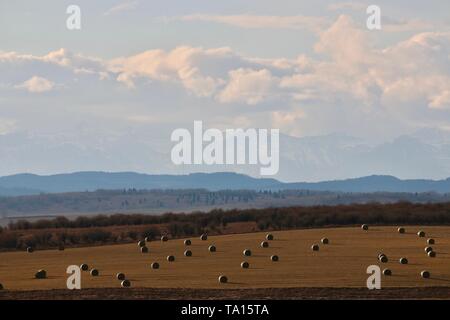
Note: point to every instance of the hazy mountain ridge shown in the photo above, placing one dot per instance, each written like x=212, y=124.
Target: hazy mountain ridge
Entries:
x=423, y=154
x=28, y=184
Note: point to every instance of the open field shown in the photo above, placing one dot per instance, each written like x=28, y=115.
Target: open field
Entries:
x=340, y=264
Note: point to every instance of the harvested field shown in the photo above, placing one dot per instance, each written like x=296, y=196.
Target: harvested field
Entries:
x=341, y=264
x=440, y=293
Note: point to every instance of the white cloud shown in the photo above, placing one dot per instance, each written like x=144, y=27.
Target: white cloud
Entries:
x=259, y=21
x=347, y=83
x=125, y=6
x=77, y=63
x=198, y=70
x=248, y=86
x=441, y=100
x=36, y=85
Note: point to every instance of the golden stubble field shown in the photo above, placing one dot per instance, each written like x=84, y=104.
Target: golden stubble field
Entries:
x=340, y=264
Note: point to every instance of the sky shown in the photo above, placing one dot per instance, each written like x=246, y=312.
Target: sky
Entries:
x=308, y=68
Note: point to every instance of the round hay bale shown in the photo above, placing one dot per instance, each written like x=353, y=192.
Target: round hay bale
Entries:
x=61, y=247
x=274, y=258
x=41, y=274
x=223, y=279
x=403, y=261
x=188, y=253
x=264, y=244
x=84, y=267
x=120, y=276
x=247, y=252
x=315, y=247
x=94, y=273
x=204, y=237
x=365, y=227
x=171, y=258
x=387, y=272
x=428, y=249
x=380, y=255
x=383, y=259
x=425, y=274
x=30, y=250
x=164, y=239
x=432, y=254
x=212, y=248
x=144, y=249
x=155, y=265
x=401, y=230
x=430, y=241
x=421, y=234
x=325, y=241
x=245, y=265
x=125, y=284
x=187, y=242
x=141, y=243
x=269, y=237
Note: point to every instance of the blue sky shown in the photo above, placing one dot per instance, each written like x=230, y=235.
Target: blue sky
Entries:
x=147, y=67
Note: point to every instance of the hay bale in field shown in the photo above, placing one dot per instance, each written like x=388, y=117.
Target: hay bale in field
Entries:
x=61, y=247
x=383, y=258
x=187, y=242
x=84, y=267
x=401, y=230
x=125, y=284
x=425, y=274
x=325, y=241
x=432, y=254
x=204, y=237
x=141, y=243
x=245, y=265
x=41, y=274
x=30, y=250
x=428, y=249
x=212, y=248
x=269, y=237
x=188, y=253
x=430, y=241
x=315, y=247
x=144, y=249
x=264, y=244
x=164, y=239
x=387, y=272
x=155, y=265
x=171, y=258
x=247, y=252
x=403, y=261
x=120, y=276
x=365, y=227
x=421, y=234
x=274, y=258
x=223, y=279
x=94, y=273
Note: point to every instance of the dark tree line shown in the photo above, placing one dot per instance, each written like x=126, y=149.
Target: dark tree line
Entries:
x=51, y=232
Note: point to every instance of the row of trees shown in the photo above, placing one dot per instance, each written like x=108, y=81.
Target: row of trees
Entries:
x=276, y=218
x=96, y=229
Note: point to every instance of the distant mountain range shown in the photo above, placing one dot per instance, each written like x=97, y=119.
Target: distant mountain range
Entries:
x=29, y=184
x=425, y=153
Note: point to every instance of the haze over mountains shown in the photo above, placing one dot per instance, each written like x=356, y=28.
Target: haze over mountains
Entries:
x=423, y=154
